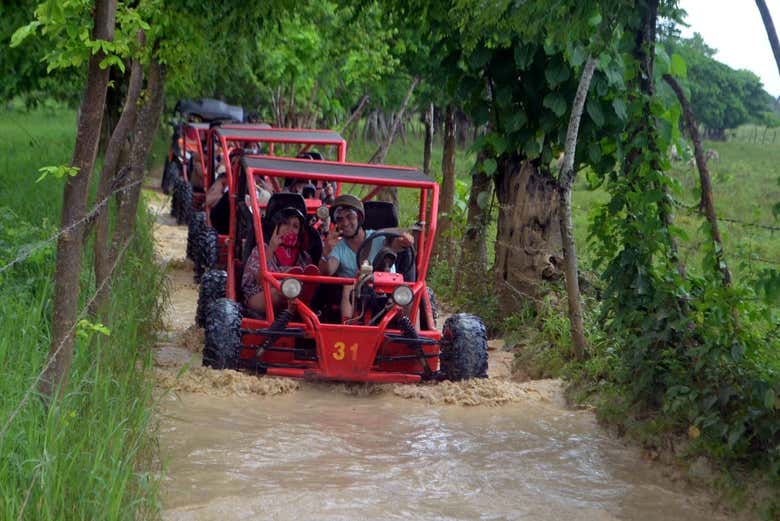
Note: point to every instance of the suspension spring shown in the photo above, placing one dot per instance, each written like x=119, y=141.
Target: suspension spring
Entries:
x=281, y=321
x=406, y=326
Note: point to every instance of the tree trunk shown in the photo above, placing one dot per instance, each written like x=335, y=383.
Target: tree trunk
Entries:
x=69, y=246
x=382, y=129
x=108, y=183
x=355, y=117
x=379, y=155
x=528, y=242
x=444, y=241
x=571, y=271
x=310, y=117
x=643, y=52
x=391, y=193
x=279, y=107
x=463, y=123
x=473, y=261
x=707, y=201
x=428, y=146
x=770, y=31
x=370, y=130
x=402, y=131
x=143, y=135
x=291, y=106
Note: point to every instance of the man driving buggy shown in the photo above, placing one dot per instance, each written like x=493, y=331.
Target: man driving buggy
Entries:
x=341, y=244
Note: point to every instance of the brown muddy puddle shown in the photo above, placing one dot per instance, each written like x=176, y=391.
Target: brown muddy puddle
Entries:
x=236, y=446
x=327, y=452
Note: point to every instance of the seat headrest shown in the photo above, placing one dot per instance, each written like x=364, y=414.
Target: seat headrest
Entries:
x=380, y=214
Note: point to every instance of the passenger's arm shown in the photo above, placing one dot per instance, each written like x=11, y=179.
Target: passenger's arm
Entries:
x=215, y=192
x=329, y=264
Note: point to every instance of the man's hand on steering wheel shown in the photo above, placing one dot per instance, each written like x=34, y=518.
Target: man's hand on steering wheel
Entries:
x=397, y=239
x=402, y=241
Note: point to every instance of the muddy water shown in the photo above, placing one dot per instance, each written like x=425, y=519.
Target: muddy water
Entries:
x=236, y=446
x=323, y=453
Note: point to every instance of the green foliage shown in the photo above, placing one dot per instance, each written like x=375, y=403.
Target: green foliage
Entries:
x=326, y=52
x=699, y=353
x=22, y=69
x=68, y=24
x=540, y=336
x=721, y=97
x=91, y=455
x=732, y=396
x=58, y=172
x=86, y=329
x=311, y=58
x=768, y=283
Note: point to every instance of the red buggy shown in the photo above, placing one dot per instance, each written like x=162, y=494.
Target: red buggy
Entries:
x=188, y=152
x=391, y=336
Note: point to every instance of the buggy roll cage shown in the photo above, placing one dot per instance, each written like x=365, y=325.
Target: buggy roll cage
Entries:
x=209, y=110
x=221, y=136
x=201, y=130
x=378, y=176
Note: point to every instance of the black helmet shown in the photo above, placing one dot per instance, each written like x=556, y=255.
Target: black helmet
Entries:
x=281, y=206
x=289, y=182
x=310, y=155
x=285, y=213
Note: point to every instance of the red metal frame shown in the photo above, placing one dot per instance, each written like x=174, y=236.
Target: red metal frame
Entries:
x=201, y=130
x=344, y=351
x=264, y=134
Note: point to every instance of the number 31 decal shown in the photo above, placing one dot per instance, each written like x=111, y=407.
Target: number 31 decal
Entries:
x=340, y=351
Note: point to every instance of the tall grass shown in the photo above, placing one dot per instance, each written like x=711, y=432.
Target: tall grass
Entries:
x=89, y=456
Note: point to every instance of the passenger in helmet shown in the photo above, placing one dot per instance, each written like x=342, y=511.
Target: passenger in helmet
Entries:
x=285, y=250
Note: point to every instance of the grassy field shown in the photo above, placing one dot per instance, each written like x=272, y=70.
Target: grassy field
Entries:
x=745, y=184
x=91, y=456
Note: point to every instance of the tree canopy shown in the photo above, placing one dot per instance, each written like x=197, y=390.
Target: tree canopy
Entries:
x=721, y=97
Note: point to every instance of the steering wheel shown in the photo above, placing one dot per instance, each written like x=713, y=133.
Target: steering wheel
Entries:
x=405, y=264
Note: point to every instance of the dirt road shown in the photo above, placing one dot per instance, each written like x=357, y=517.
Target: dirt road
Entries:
x=238, y=446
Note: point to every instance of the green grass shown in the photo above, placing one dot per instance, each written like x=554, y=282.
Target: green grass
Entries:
x=91, y=456
x=745, y=187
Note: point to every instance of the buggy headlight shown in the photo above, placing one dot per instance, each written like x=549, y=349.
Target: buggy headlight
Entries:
x=402, y=295
x=291, y=288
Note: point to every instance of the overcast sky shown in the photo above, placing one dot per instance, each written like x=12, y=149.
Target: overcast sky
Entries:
x=735, y=29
